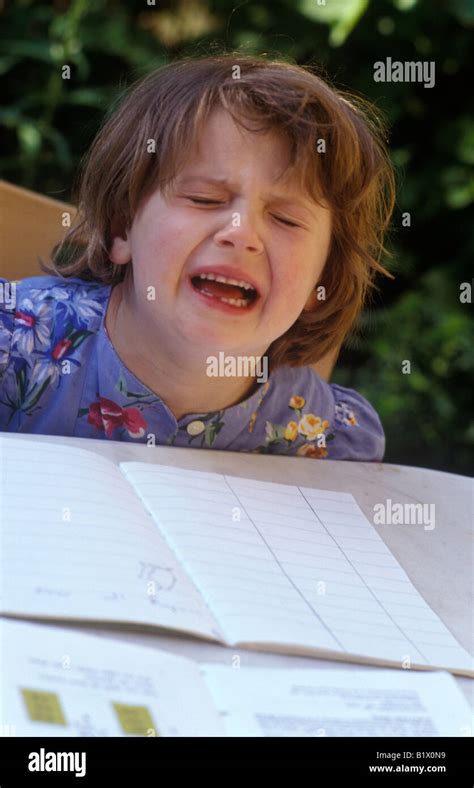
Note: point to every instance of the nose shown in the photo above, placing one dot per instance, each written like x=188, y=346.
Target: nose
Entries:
x=239, y=233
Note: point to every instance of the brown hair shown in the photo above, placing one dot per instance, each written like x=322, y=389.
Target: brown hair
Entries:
x=354, y=176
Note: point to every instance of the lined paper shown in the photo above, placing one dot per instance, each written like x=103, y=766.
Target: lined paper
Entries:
x=294, y=567
x=77, y=543
x=250, y=563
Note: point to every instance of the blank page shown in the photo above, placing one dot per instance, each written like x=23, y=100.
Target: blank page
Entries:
x=77, y=543
x=294, y=567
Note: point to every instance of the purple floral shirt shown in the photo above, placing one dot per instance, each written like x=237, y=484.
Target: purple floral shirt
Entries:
x=60, y=375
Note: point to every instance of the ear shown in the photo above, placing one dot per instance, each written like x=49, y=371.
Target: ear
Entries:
x=120, y=251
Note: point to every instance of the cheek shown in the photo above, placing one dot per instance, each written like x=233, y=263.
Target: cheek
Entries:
x=286, y=303
x=175, y=235
x=294, y=283
x=160, y=244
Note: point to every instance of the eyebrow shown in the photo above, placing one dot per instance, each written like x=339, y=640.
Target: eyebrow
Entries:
x=282, y=198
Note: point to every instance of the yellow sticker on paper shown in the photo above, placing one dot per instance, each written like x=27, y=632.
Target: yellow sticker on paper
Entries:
x=135, y=720
x=43, y=706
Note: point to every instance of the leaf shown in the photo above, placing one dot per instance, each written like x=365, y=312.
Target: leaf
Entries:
x=465, y=148
x=279, y=432
x=209, y=435
x=61, y=145
x=34, y=399
x=7, y=62
x=10, y=117
x=21, y=383
x=88, y=97
x=464, y=10
x=341, y=16
x=121, y=384
x=37, y=50
x=29, y=138
x=459, y=187
x=78, y=337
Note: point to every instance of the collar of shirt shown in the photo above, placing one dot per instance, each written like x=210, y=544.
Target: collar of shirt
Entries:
x=146, y=410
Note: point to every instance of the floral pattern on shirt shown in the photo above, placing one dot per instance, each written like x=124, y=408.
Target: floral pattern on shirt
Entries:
x=208, y=425
x=47, y=334
x=204, y=429
x=61, y=375
x=107, y=415
x=344, y=415
x=303, y=427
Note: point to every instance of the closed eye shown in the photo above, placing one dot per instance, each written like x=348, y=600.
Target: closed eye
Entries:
x=205, y=202
x=286, y=221
x=217, y=202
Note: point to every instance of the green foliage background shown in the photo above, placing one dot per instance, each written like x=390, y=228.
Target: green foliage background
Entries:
x=49, y=123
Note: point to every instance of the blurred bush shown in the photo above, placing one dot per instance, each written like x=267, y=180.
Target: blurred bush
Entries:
x=49, y=122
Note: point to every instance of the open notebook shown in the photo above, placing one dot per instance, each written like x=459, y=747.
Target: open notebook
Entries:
x=57, y=682
x=237, y=561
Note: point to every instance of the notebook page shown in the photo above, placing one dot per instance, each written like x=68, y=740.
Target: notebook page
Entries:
x=57, y=682
x=294, y=567
x=77, y=543
x=337, y=702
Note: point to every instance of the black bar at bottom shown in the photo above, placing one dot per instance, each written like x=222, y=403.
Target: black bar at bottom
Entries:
x=97, y=761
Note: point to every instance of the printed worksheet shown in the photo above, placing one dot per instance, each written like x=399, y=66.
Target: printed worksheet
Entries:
x=60, y=682
x=338, y=702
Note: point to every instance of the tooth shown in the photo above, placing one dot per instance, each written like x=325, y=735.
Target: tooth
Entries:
x=240, y=302
x=227, y=280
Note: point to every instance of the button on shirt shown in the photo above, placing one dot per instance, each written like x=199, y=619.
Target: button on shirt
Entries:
x=60, y=375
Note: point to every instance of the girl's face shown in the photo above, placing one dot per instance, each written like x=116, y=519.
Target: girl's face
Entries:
x=226, y=216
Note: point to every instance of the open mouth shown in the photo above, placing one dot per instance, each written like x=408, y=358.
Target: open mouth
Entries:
x=238, y=293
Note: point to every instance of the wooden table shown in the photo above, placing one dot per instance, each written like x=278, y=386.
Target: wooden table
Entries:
x=438, y=562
